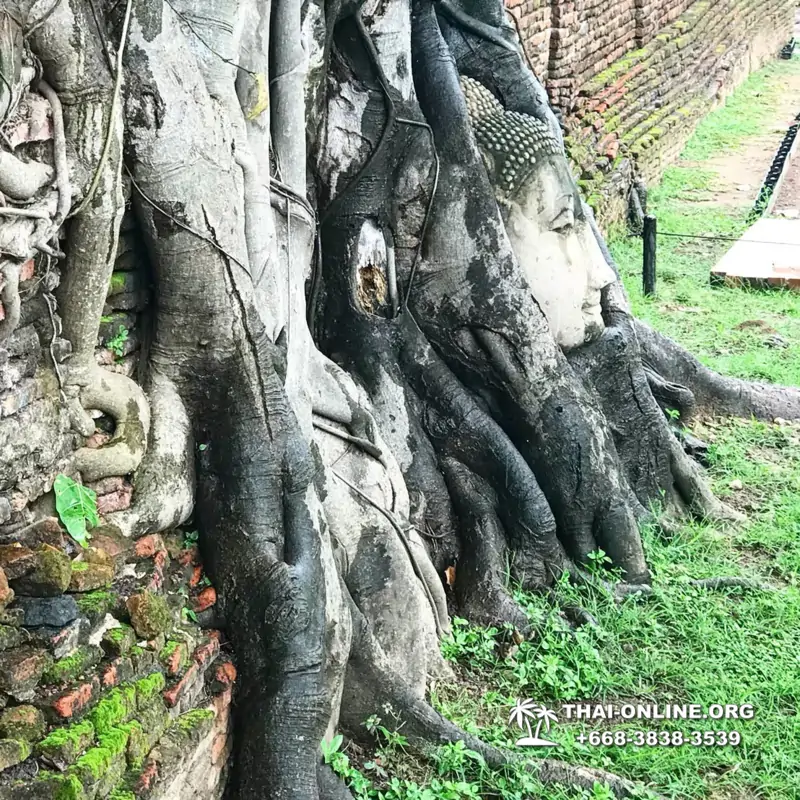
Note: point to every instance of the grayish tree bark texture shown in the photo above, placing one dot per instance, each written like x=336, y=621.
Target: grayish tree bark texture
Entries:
x=350, y=381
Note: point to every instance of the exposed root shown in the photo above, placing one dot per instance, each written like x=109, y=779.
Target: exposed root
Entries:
x=9, y=297
x=60, y=153
x=21, y=180
x=563, y=774
x=125, y=401
x=713, y=392
x=671, y=395
x=575, y=615
x=623, y=590
x=164, y=483
x=480, y=582
x=330, y=786
x=694, y=490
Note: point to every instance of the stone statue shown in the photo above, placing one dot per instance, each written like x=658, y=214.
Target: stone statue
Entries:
x=544, y=217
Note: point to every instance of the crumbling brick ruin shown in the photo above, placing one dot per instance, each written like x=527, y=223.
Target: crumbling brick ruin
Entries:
x=113, y=681
x=632, y=78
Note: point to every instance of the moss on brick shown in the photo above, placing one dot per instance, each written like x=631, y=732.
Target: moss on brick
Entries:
x=51, y=575
x=118, y=706
x=65, y=745
x=12, y=752
x=149, y=689
x=115, y=740
x=99, y=769
x=121, y=794
x=168, y=649
x=99, y=602
x=118, y=641
x=91, y=766
x=138, y=745
x=22, y=722
x=70, y=789
x=71, y=667
x=150, y=614
x=193, y=720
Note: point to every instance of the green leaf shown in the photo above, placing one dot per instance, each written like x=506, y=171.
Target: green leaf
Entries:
x=329, y=748
x=76, y=506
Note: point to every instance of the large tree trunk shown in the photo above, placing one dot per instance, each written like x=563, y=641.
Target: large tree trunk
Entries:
x=349, y=380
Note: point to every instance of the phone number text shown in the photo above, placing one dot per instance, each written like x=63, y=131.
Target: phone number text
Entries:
x=660, y=738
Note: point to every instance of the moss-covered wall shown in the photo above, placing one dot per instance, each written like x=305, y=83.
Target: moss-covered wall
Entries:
x=633, y=77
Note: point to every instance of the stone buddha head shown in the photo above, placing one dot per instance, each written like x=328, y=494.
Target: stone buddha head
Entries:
x=542, y=210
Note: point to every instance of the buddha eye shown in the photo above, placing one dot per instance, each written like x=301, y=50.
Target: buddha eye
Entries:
x=564, y=222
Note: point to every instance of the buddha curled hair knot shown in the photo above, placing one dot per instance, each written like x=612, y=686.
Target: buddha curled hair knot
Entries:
x=512, y=141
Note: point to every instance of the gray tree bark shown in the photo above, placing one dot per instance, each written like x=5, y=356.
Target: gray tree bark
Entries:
x=348, y=381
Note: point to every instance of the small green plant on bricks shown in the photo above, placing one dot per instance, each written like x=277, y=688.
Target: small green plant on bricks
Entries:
x=77, y=508
x=117, y=344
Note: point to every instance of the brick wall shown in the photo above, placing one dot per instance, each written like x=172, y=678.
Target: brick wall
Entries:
x=633, y=77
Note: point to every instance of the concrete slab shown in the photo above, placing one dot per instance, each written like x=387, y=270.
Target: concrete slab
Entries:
x=768, y=254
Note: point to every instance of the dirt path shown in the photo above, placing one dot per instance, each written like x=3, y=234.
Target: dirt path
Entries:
x=740, y=173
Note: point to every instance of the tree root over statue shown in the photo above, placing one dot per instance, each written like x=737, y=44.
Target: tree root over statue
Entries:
x=388, y=340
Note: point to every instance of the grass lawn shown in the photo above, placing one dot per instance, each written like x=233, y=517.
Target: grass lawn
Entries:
x=683, y=644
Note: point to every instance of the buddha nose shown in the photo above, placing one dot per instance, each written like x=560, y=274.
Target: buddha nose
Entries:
x=602, y=274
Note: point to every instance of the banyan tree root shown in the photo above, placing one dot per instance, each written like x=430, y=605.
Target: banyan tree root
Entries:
x=731, y=582
x=164, y=482
x=711, y=392
x=656, y=465
x=126, y=403
x=460, y=421
x=379, y=686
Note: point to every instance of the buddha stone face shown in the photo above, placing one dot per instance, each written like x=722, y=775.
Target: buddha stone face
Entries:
x=544, y=217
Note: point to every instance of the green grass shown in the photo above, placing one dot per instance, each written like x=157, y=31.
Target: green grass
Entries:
x=683, y=644
x=742, y=116
x=704, y=319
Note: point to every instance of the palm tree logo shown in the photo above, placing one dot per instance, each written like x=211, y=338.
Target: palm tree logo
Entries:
x=522, y=713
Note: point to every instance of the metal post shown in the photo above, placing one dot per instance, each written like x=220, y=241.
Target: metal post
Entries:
x=649, y=265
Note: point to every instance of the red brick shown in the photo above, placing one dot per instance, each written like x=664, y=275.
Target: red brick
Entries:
x=188, y=557
x=109, y=676
x=156, y=582
x=26, y=270
x=114, y=546
x=205, y=599
x=218, y=747
x=174, y=694
x=222, y=707
x=76, y=700
x=21, y=669
x=226, y=672
x=147, y=777
x=16, y=560
x=177, y=659
x=6, y=592
x=115, y=501
x=148, y=546
x=206, y=653
x=197, y=576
